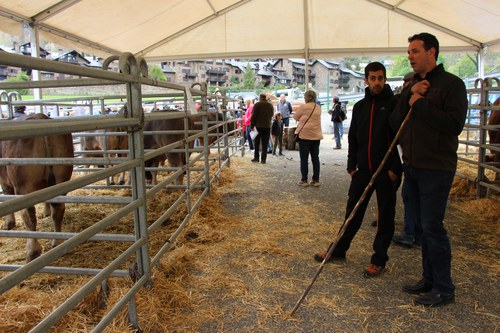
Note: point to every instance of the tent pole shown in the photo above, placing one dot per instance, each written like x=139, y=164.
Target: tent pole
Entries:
x=34, y=39
x=306, y=43
x=481, y=53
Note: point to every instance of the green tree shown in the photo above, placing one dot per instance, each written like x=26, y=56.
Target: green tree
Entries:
x=464, y=66
x=156, y=73
x=20, y=77
x=400, y=66
x=248, y=78
x=234, y=80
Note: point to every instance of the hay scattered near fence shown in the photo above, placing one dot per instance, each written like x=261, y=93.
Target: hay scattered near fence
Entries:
x=240, y=266
x=23, y=311
x=462, y=189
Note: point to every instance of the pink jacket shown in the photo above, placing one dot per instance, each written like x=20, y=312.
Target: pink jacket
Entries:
x=248, y=115
x=312, y=129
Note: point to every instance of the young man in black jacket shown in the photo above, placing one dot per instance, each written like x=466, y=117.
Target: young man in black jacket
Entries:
x=429, y=142
x=370, y=136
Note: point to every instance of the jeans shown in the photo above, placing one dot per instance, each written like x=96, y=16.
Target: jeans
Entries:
x=410, y=224
x=307, y=147
x=337, y=126
x=428, y=192
x=286, y=122
x=278, y=143
x=250, y=141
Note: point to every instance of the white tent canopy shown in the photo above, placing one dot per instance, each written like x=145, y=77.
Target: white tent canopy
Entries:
x=216, y=29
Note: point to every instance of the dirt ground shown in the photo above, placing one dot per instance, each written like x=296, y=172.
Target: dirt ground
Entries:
x=246, y=257
x=281, y=225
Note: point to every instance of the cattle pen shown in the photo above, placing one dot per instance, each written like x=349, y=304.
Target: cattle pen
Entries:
x=129, y=224
x=140, y=238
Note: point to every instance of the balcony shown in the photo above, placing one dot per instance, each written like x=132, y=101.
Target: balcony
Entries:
x=217, y=71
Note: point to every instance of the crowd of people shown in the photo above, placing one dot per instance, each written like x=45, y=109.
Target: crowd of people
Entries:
x=428, y=115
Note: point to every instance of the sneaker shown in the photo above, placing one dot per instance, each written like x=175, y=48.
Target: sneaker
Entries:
x=314, y=183
x=372, y=270
x=303, y=183
x=321, y=256
x=255, y=160
x=403, y=240
x=281, y=154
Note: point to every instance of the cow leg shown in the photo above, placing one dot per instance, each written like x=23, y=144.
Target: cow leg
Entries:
x=151, y=176
x=9, y=222
x=58, y=210
x=10, y=219
x=179, y=179
x=33, y=248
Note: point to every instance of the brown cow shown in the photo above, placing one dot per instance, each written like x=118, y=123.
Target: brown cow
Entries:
x=175, y=159
x=106, y=142
x=24, y=179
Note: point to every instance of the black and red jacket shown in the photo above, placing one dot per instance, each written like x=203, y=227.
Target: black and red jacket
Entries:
x=370, y=134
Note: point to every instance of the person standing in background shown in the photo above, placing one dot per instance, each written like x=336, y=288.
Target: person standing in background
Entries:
x=262, y=115
x=337, y=120
x=246, y=122
x=285, y=108
x=310, y=134
x=277, y=134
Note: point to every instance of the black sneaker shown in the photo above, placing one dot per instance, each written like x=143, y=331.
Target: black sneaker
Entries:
x=435, y=299
x=321, y=256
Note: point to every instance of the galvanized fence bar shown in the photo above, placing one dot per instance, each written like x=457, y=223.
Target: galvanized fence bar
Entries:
x=475, y=145
x=34, y=266
x=133, y=76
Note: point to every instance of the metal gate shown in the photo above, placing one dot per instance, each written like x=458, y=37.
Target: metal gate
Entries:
x=136, y=259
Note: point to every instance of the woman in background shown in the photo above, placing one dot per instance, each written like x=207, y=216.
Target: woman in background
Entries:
x=310, y=134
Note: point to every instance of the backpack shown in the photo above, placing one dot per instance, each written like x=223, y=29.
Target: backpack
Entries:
x=343, y=112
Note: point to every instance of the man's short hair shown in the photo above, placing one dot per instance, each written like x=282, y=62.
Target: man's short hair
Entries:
x=20, y=108
x=336, y=99
x=428, y=39
x=263, y=97
x=374, y=67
